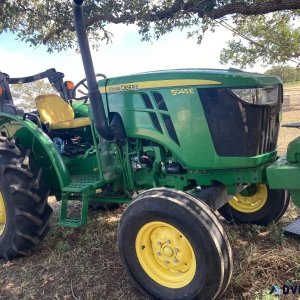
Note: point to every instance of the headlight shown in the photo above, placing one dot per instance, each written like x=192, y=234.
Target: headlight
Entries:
x=260, y=96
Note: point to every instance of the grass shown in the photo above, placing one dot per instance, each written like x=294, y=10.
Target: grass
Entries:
x=72, y=263
x=84, y=263
x=262, y=257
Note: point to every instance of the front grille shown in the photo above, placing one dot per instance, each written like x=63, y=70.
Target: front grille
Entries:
x=268, y=128
x=239, y=128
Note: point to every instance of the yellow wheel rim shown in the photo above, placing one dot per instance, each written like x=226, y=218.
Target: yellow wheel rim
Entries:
x=2, y=214
x=251, y=199
x=165, y=254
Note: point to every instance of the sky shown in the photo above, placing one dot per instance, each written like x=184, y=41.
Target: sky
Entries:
x=125, y=55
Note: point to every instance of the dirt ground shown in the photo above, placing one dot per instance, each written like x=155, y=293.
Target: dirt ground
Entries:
x=84, y=263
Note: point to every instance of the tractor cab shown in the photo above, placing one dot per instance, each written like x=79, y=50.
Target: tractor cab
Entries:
x=7, y=104
x=67, y=124
x=55, y=79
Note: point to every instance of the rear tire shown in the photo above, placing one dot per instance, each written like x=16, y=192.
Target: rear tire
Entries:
x=260, y=207
x=25, y=214
x=174, y=247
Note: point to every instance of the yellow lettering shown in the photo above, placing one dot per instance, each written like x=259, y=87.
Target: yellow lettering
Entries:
x=175, y=92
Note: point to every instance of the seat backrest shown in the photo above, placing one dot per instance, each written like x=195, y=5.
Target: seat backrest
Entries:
x=53, y=109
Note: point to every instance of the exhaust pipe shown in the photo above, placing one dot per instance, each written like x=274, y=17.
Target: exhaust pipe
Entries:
x=100, y=119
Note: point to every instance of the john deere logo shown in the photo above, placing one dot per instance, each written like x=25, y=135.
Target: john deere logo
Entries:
x=275, y=290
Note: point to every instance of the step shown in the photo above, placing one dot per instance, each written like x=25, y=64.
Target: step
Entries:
x=79, y=183
x=83, y=186
x=80, y=218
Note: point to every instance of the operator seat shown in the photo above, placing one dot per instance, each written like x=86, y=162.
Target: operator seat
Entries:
x=57, y=113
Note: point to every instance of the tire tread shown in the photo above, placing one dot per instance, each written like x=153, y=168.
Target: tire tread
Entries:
x=31, y=216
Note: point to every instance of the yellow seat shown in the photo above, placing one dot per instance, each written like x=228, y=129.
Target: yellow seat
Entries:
x=58, y=113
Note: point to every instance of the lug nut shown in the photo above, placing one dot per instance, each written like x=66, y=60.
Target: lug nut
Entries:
x=158, y=254
x=175, y=261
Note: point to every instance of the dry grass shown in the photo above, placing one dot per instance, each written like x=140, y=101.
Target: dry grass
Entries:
x=84, y=263
x=72, y=264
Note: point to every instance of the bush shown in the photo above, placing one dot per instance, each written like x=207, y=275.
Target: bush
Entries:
x=286, y=73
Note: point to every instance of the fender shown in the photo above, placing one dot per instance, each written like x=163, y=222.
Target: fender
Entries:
x=43, y=151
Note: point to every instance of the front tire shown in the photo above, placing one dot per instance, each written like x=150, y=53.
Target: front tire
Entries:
x=174, y=247
x=256, y=204
x=24, y=212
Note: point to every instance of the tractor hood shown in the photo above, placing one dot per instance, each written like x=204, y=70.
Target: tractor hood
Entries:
x=186, y=77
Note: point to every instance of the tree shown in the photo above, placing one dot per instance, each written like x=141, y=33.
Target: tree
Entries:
x=286, y=73
x=271, y=39
x=24, y=94
x=50, y=22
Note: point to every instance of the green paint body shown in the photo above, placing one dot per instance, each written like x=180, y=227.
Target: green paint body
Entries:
x=113, y=170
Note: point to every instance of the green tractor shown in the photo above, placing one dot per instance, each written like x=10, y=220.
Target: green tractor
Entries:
x=182, y=143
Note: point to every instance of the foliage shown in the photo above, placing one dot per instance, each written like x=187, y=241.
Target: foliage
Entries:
x=265, y=295
x=62, y=247
x=24, y=94
x=50, y=22
x=286, y=73
x=276, y=38
x=270, y=38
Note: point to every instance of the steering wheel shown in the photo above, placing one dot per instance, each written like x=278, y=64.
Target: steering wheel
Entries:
x=85, y=92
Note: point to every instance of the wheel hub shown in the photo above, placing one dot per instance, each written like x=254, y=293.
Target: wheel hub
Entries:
x=251, y=199
x=2, y=214
x=168, y=251
x=171, y=248
x=165, y=254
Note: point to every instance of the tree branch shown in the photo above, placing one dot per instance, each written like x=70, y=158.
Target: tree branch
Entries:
x=200, y=8
x=257, y=8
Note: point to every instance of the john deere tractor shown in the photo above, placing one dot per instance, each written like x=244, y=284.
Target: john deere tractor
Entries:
x=177, y=145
